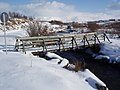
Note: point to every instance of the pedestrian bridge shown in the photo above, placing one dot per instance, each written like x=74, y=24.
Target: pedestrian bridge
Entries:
x=59, y=43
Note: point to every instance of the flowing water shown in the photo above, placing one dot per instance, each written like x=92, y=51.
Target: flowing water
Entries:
x=109, y=74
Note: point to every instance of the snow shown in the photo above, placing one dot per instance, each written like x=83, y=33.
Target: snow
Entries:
x=16, y=73
x=102, y=57
x=11, y=38
x=56, y=59
x=111, y=50
x=88, y=76
x=19, y=71
x=118, y=59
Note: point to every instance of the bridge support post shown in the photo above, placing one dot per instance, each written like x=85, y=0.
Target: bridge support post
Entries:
x=84, y=40
x=87, y=41
x=17, y=45
x=105, y=36
x=60, y=43
x=74, y=41
x=94, y=40
x=44, y=46
x=97, y=38
x=23, y=47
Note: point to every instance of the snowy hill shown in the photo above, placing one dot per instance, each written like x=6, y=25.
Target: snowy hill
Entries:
x=15, y=23
x=20, y=23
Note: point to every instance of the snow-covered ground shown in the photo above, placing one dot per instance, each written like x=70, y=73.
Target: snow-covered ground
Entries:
x=111, y=50
x=11, y=36
x=19, y=71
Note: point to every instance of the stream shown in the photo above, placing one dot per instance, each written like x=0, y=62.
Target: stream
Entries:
x=109, y=74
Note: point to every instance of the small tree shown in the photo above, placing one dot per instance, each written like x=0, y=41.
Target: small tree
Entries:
x=37, y=29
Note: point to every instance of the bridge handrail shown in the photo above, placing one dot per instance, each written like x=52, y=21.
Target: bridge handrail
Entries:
x=54, y=37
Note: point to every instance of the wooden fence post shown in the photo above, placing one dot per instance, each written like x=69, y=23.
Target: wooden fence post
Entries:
x=44, y=46
x=94, y=40
x=106, y=37
x=87, y=41
x=84, y=40
x=23, y=47
x=97, y=38
x=59, y=43
x=73, y=40
x=17, y=45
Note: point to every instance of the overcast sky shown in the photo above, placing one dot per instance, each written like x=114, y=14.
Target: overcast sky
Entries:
x=66, y=10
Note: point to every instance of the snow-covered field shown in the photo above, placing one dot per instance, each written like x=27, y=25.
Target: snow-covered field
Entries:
x=19, y=71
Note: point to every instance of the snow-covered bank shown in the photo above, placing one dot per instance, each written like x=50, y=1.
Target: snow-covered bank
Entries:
x=16, y=73
x=112, y=50
x=109, y=52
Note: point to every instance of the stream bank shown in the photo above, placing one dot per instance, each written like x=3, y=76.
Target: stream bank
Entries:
x=108, y=73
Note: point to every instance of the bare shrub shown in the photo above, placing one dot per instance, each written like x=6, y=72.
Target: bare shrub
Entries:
x=76, y=66
x=37, y=29
x=93, y=26
x=79, y=66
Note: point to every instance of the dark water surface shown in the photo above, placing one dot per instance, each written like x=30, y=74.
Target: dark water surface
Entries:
x=109, y=74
